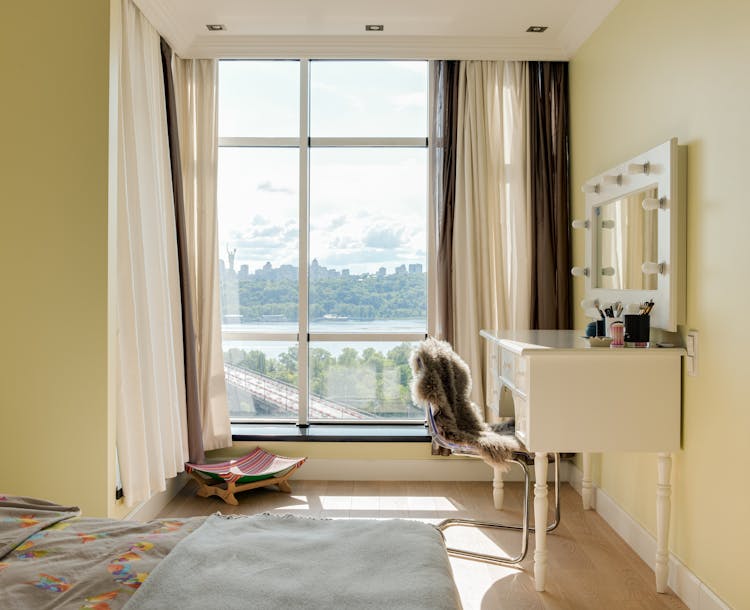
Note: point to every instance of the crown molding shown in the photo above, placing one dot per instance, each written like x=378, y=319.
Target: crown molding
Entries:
x=368, y=47
x=160, y=14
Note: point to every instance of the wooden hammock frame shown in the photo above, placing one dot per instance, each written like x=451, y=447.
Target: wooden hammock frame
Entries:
x=226, y=489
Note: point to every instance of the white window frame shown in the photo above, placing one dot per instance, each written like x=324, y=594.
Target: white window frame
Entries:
x=304, y=337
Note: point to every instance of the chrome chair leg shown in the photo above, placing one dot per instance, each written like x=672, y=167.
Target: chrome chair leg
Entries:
x=524, y=528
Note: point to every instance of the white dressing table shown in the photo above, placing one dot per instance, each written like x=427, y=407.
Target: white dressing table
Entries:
x=569, y=397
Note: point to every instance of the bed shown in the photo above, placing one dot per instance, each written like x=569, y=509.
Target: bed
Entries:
x=52, y=557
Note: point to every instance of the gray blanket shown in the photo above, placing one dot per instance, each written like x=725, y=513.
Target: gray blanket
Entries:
x=272, y=562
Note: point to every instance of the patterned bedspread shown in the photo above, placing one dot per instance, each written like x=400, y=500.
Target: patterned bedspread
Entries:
x=50, y=557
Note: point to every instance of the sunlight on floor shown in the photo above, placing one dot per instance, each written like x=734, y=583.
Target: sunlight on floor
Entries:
x=430, y=503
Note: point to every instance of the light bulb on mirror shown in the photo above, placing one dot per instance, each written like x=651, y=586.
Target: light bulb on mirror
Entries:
x=608, y=224
x=651, y=203
x=639, y=168
x=651, y=268
x=589, y=303
x=580, y=224
x=613, y=179
x=608, y=271
x=590, y=188
x=579, y=271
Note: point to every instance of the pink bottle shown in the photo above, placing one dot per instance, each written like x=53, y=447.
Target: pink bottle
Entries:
x=618, y=334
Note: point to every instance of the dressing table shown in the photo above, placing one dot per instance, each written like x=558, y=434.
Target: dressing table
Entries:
x=571, y=397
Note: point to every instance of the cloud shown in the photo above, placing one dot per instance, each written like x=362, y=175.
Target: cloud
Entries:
x=344, y=242
x=268, y=232
x=268, y=187
x=337, y=222
x=386, y=238
x=351, y=259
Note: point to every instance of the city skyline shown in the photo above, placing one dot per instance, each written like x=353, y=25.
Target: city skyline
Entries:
x=244, y=269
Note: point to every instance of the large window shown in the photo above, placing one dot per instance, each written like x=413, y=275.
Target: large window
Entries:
x=322, y=237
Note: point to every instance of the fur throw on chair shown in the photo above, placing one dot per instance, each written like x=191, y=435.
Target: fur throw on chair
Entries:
x=442, y=379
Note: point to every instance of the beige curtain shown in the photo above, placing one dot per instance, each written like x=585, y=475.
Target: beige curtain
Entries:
x=491, y=225
x=195, y=92
x=150, y=380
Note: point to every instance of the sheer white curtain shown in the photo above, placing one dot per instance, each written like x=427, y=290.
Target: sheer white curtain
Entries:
x=151, y=416
x=491, y=265
x=195, y=92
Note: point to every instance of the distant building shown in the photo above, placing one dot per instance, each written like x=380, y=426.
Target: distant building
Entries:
x=400, y=269
x=244, y=272
x=288, y=272
x=381, y=272
x=415, y=268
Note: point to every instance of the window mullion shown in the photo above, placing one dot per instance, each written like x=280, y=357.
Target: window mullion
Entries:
x=304, y=248
x=432, y=221
x=382, y=142
x=245, y=142
x=366, y=336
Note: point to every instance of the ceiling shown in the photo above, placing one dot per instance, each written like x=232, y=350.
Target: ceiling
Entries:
x=447, y=29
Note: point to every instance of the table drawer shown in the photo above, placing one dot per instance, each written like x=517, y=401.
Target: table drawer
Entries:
x=521, y=409
x=514, y=370
x=494, y=382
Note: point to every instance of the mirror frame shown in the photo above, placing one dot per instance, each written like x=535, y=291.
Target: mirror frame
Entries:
x=666, y=171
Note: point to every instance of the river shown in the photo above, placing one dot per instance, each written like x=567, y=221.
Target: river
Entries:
x=274, y=348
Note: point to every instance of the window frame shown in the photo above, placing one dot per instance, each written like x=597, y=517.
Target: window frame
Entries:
x=303, y=337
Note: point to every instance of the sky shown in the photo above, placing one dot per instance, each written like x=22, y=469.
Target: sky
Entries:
x=367, y=206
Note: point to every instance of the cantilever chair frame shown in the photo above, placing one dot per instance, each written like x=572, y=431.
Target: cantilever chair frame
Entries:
x=522, y=458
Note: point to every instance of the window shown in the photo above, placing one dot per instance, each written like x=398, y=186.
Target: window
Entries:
x=322, y=237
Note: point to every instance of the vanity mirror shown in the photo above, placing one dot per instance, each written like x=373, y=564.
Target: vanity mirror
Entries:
x=626, y=237
x=635, y=234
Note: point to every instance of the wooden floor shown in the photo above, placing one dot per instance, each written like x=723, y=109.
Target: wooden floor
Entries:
x=590, y=567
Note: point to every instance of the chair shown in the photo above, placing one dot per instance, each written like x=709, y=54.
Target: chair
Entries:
x=522, y=458
x=256, y=469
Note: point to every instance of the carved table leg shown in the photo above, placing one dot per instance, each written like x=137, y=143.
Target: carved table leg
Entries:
x=498, y=488
x=540, y=520
x=586, y=486
x=663, y=492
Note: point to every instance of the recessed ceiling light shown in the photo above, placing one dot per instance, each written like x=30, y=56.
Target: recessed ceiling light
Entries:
x=215, y=27
x=374, y=28
x=536, y=29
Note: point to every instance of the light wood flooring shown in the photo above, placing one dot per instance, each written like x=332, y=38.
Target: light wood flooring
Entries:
x=590, y=567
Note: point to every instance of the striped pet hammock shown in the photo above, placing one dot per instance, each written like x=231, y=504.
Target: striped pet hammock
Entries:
x=256, y=469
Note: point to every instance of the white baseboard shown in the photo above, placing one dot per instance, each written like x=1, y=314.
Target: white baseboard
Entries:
x=442, y=469
x=318, y=469
x=149, y=509
x=687, y=586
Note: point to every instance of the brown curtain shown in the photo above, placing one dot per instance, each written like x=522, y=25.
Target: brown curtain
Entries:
x=192, y=395
x=444, y=145
x=550, y=196
x=444, y=138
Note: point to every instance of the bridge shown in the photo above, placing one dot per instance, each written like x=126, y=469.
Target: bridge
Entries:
x=285, y=396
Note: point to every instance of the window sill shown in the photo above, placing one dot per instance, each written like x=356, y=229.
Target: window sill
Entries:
x=332, y=433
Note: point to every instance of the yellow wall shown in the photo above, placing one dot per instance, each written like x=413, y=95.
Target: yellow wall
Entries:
x=681, y=68
x=53, y=252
